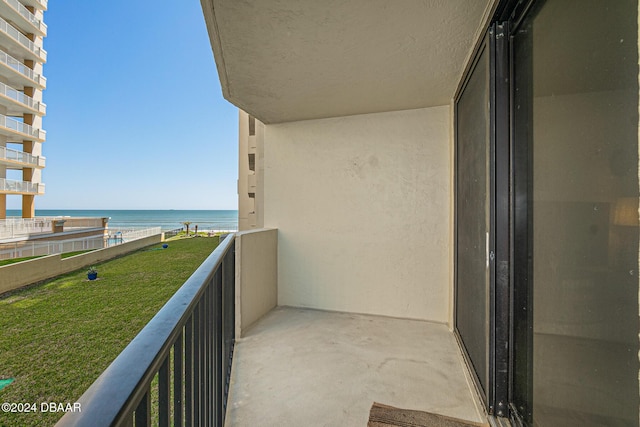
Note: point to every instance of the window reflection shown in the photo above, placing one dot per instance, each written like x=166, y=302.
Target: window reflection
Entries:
x=584, y=74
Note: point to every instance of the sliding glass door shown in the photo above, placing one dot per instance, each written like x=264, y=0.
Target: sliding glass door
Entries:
x=547, y=237
x=473, y=217
x=575, y=145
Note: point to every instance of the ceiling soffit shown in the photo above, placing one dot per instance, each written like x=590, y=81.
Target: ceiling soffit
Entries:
x=289, y=60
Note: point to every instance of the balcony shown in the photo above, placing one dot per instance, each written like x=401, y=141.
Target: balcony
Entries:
x=312, y=367
x=22, y=17
x=18, y=74
x=12, y=157
x=13, y=128
x=20, y=187
x=18, y=44
x=18, y=103
x=291, y=366
x=38, y=4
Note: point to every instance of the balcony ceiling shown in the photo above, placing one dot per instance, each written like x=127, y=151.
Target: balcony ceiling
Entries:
x=289, y=60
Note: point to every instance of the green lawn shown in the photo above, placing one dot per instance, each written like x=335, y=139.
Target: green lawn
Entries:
x=64, y=255
x=57, y=337
x=14, y=260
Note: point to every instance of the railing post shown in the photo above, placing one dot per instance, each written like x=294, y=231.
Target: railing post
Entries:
x=204, y=354
x=164, y=390
x=219, y=348
x=210, y=378
x=143, y=411
x=197, y=326
x=178, y=381
x=188, y=371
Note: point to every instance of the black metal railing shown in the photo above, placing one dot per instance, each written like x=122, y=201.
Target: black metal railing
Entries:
x=176, y=370
x=172, y=233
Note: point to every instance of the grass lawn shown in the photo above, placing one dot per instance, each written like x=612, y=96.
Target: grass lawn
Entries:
x=64, y=255
x=14, y=260
x=57, y=337
x=192, y=233
x=74, y=253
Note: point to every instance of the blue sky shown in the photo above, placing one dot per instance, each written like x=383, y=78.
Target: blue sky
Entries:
x=135, y=115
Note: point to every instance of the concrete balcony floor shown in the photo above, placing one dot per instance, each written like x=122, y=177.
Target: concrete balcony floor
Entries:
x=298, y=367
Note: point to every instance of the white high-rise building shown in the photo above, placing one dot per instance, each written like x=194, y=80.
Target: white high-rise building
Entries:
x=22, y=31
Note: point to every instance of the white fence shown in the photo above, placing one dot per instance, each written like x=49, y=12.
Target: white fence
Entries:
x=39, y=248
x=28, y=248
x=127, y=235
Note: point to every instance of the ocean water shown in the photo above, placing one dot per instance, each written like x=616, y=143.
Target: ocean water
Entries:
x=166, y=219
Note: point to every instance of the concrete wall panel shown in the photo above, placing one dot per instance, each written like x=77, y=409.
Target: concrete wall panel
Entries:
x=256, y=276
x=362, y=205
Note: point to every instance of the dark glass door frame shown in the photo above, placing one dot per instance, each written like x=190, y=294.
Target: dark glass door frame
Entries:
x=521, y=243
x=520, y=336
x=500, y=295
x=504, y=255
x=496, y=396
x=481, y=49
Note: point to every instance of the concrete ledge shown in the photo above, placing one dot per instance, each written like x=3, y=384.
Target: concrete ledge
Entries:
x=15, y=276
x=256, y=276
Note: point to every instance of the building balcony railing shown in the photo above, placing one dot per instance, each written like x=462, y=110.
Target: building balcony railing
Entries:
x=10, y=156
x=12, y=127
x=30, y=47
x=20, y=187
x=31, y=23
x=21, y=73
x=38, y=4
x=188, y=345
x=20, y=98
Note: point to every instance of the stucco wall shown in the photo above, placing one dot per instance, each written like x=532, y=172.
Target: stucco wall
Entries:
x=256, y=276
x=362, y=205
x=14, y=276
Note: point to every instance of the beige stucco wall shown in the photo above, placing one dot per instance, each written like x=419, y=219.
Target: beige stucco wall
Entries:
x=256, y=276
x=362, y=205
x=14, y=276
